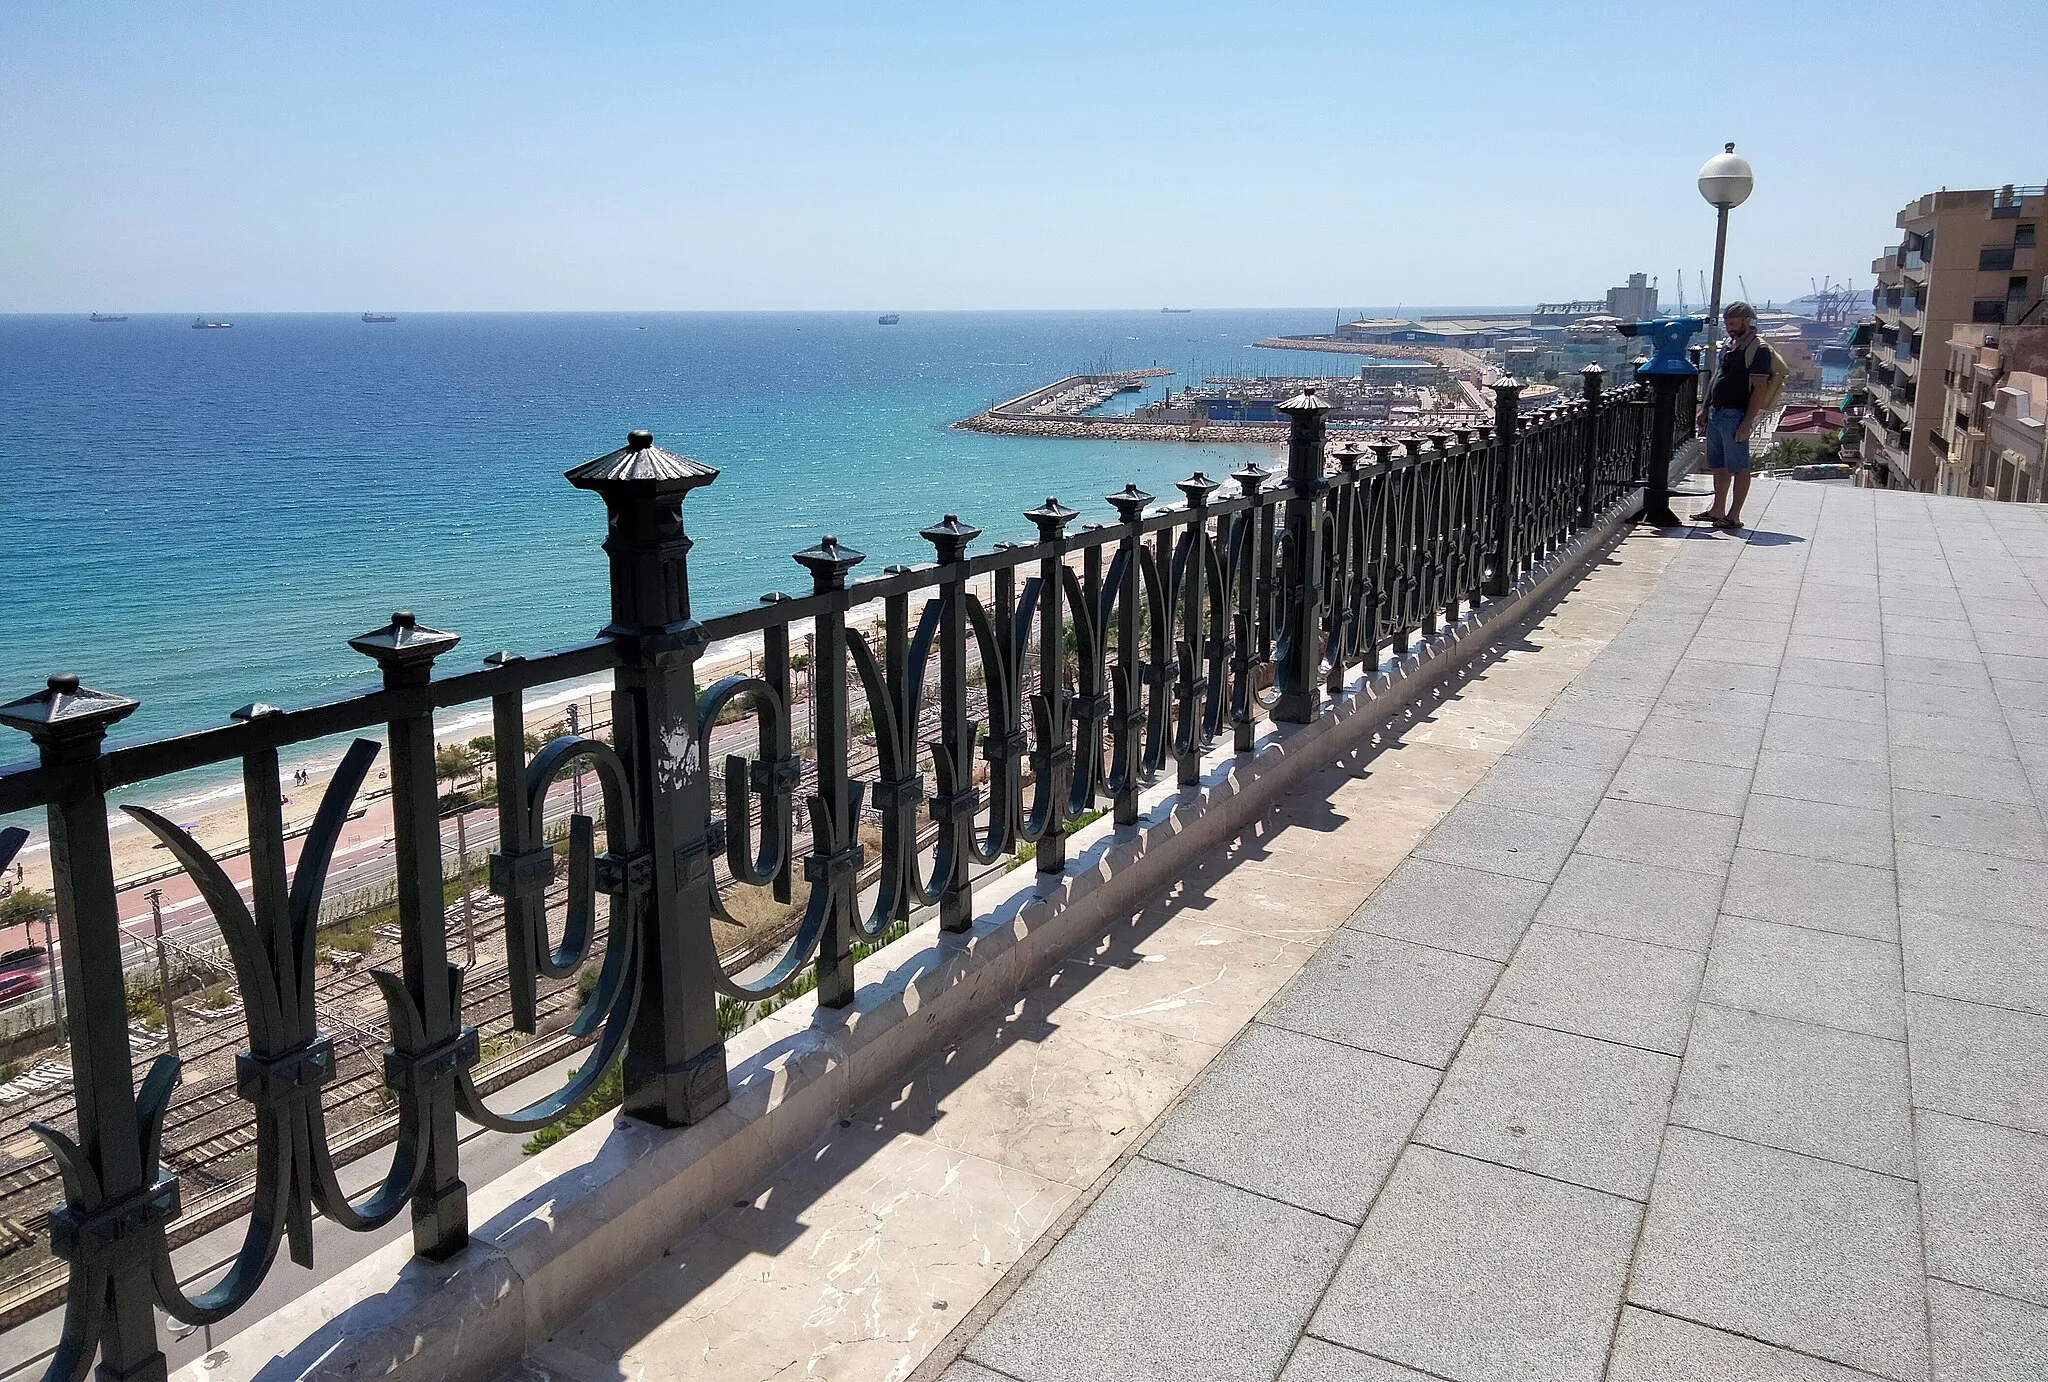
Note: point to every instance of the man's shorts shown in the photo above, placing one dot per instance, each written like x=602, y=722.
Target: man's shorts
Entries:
x=1724, y=450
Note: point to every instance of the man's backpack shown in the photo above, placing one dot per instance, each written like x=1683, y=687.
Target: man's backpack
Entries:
x=1773, y=387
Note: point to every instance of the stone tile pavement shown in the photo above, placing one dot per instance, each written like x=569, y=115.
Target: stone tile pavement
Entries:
x=1706, y=1036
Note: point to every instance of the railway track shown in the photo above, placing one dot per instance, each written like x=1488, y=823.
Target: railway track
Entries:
x=209, y=1130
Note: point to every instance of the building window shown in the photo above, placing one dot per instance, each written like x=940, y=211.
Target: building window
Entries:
x=1988, y=310
x=2023, y=237
x=1994, y=257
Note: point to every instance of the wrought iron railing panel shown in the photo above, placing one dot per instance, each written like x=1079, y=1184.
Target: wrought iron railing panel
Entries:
x=952, y=713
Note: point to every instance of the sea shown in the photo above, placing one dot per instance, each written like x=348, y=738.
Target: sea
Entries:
x=202, y=519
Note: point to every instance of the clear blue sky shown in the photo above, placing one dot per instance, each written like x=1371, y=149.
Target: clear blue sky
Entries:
x=280, y=156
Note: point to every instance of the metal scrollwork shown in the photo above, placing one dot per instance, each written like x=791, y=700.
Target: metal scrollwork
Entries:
x=288, y=1059
x=621, y=872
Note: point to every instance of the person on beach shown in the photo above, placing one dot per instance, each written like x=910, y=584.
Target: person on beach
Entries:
x=1746, y=383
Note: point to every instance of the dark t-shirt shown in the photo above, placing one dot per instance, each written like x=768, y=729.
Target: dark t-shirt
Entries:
x=1732, y=382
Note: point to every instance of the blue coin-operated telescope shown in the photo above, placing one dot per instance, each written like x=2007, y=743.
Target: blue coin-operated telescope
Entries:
x=1669, y=337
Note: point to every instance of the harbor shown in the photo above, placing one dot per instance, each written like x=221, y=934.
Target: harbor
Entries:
x=1386, y=397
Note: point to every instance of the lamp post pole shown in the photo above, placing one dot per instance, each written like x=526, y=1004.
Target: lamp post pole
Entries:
x=1726, y=182
x=163, y=968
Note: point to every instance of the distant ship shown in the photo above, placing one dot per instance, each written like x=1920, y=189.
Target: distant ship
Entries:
x=887, y=319
x=103, y=317
x=202, y=324
x=373, y=317
x=1176, y=309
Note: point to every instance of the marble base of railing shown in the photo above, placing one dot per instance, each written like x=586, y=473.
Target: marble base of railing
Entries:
x=552, y=1237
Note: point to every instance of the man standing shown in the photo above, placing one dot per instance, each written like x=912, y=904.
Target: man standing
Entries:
x=1746, y=383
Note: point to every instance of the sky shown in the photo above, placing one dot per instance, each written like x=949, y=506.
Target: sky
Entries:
x=608, y=155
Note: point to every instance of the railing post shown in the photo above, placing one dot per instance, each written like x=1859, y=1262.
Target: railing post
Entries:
x=427, y=1053
x=674, y=1066
x=1297, y=659
x=1507, y=392
x=955, y=813
x=1127, y=715
x=107, y=1240
x=1052, y=757
x=835, y=859
x=1247, y=653
x=1347, y=572
x=1438, y=491
x=1592, y=380
x=1196, y=660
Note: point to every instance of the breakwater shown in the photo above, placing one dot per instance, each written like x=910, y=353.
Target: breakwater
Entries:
x=1061, y=409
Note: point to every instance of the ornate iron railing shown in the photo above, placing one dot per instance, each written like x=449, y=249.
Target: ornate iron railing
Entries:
x=1095, y=659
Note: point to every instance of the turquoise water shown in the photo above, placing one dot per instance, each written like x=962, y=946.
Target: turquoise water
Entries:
x=200, y=519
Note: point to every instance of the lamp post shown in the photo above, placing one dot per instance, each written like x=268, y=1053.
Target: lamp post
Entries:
x=1726, y=182
x=163, y=968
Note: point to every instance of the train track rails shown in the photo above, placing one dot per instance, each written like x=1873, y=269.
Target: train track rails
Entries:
x=209, y=1130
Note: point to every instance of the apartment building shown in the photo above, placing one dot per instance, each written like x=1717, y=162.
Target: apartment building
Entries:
x=1995, y=400
x=1963, y=258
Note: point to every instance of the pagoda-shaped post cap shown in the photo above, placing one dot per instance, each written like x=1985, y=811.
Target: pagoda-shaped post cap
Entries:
x=505, y=657
x=1052, y=518
x=1129, y=503
x=1197, y=487
x=255, y=710
x=404, y=642
x=64, y=707
x=1592, y=371
x=829, y=561
x=1506, y=384
x=1383, y=451
x=1348, y=455
x=1304, y=405
x=1442, y=442
x=1251, y=477
x=642, y=467
x=950, y=537
x=1412, y=444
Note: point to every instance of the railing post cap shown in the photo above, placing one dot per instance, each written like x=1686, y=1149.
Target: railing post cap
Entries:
x=404, y=642
x=1197, y=487
x=829, y=561
x=1304, y=405
x=1051, y=517
x=1129, y=503
x=1506, y=384
x=950, y=537
x=642, y=468
x=64, y=707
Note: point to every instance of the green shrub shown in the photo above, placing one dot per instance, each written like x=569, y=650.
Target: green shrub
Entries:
x=24, y=907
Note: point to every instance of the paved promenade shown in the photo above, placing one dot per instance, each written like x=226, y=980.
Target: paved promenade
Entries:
x=1705, y=1038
